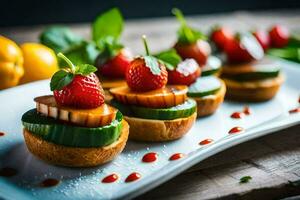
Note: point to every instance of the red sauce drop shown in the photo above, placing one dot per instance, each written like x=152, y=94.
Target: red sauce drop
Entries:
x=236, y=129
x=296, y=110
x=206, y=141
x=50, y=182
x=110, y=178
x=2, y=134
x=247, y=110
x=150, y=157
x=8, y=172
x=133, y=177
x=237, y=115
x=176, y=156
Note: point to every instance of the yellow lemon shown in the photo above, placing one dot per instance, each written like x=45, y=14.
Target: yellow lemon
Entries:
x=39, y=62
x=11, y=63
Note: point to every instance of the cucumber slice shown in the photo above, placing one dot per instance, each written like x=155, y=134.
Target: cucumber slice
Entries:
x=212, y=66
x=57, y=132
x=180, y=111
x=262, y=70
x=204, y=86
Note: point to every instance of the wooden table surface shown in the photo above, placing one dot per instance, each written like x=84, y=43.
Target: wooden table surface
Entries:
x=272, y=161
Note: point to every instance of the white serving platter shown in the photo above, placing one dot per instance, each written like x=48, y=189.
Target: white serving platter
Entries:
x=83, y=183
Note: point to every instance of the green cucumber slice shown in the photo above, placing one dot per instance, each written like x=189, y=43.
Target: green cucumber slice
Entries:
x=180, y=111
x=262, y=70
x=57, y=132
x=212, y=66
x=204, y=86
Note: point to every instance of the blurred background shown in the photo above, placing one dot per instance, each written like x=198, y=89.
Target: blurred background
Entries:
x=33, y=12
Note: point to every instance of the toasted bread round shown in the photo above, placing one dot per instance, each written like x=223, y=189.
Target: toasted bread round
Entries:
x=159, y=130
x=253, y=91
x=74, y=156
x=209, y=104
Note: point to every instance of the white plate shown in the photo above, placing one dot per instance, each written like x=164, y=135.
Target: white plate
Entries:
x=266, y=117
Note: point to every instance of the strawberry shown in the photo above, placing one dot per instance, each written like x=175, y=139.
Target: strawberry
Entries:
x=220, y=35
x=243, y=48
x=116, y=66
x=279, y=36
x=190, y=42
x=185, y=73
x=146, y=73
x=263, y=38
x=77, y=86
x=199, y=51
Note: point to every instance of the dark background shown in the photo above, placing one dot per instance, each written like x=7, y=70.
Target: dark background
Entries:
x=31, y=12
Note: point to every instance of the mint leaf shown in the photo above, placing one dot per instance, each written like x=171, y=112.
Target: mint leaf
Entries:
x=245, y=179
x=60, y=38
x=170, y=58
x=186, y=34
x=153, y=64
x=109, y=47
x=60, y=79
x=85, y=69
x=107, y=24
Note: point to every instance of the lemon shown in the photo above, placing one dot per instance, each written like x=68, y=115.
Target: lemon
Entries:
x=11, y=63
x=39, y=62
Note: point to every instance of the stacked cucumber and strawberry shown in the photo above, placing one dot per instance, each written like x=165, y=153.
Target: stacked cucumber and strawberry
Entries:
x=248, y=74
x=190, y=63
x=74, y=127
x=155, y=111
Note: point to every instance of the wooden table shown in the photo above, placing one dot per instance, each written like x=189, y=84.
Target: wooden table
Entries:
x=272, y=161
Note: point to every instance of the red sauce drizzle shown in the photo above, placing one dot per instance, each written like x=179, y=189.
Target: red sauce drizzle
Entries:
x=247, y=110
x=133, y=177
x=50, y=182
x=8, y=172
x=110, y=178
x=237, y=115
x=206, y=141
x=235, y=130
x=150, y=157
x=296, y=110
x=176, y=156
x=2, y=134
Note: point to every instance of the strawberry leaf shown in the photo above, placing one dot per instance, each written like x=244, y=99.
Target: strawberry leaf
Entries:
x=170, y=58
x=153, y=64
x=85, y=69
x=60, y=79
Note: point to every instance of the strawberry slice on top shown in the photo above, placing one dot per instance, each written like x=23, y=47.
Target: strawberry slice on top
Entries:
x=77, y=86
x=146, y=73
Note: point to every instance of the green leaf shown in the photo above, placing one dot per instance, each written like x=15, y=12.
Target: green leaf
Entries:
x=245, y=179
x=289, y=53
x=153, y=64
x=107, y=24
x=60, y=38
x=186, y=34
x=85, y=69
x=170, y=58
x=109, y=47
x=60, y=79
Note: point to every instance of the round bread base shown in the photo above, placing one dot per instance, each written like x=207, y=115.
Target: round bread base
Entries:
x=255, y=91
x=209, y=104
x=159, y=130
x=74, y=156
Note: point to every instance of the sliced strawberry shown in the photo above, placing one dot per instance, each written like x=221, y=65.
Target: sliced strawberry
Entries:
x=115, y=67
x=279, y=36
x=185, y=73
x=199, y=51
x=140, y=78
x=220, y=35
x=77, y=86
x=263, y=38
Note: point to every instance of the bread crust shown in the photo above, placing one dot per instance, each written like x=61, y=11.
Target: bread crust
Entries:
x=209, y=104
x=253, y=91
x=74, y=156
x=159, y=130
